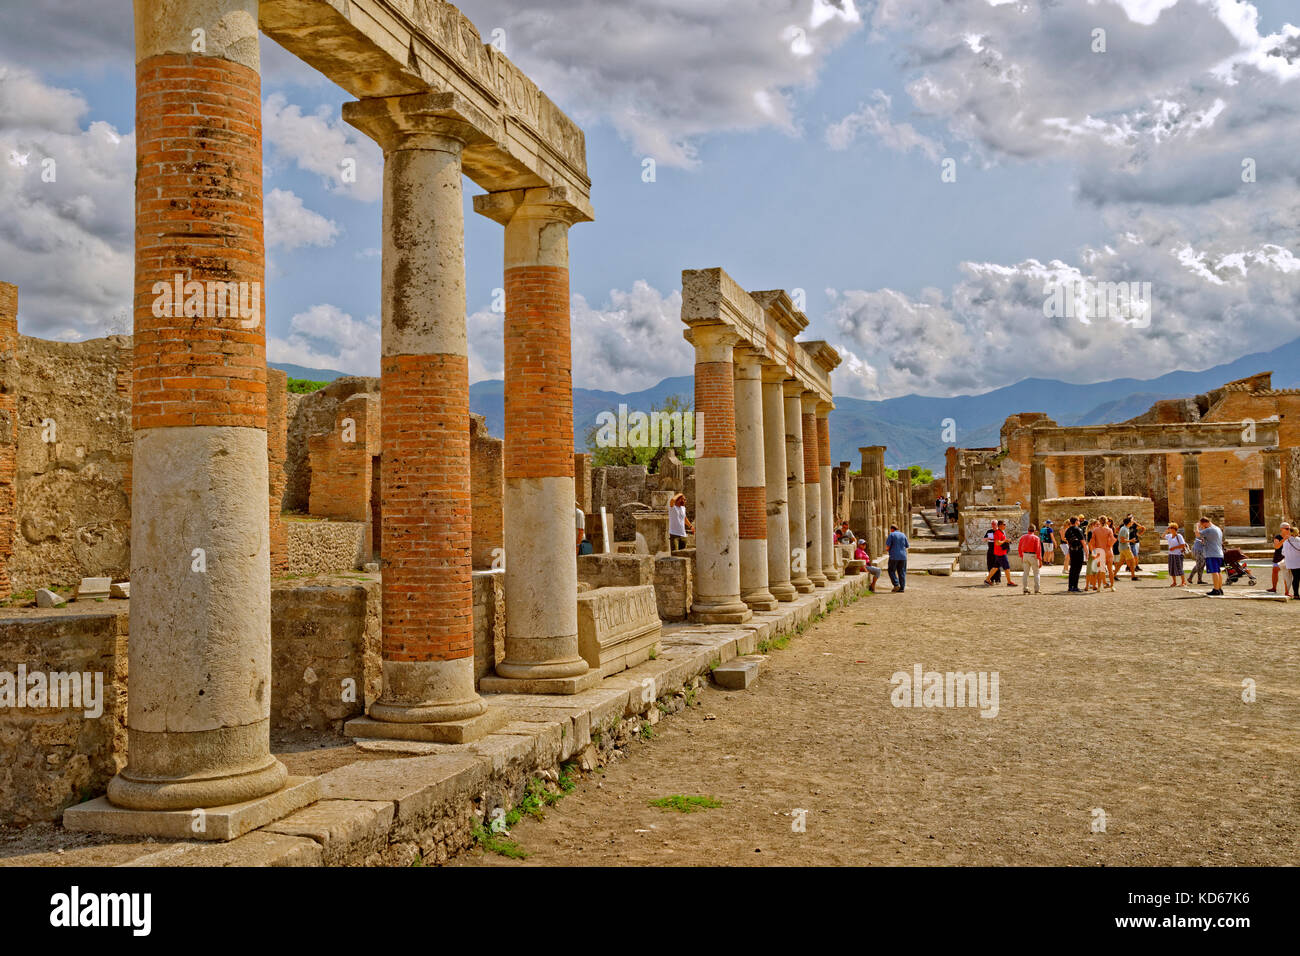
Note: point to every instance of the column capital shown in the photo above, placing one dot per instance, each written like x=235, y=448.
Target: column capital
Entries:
x=809, y=400
x=441, y=121
x=790, y=388
x=774, y=374
x=1190, y=455
x=553, y=203
x=824, y=408
x=748, y=361
x=712, y=338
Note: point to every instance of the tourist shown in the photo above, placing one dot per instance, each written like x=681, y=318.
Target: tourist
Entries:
x=1279, y=564
x=1291, y=557
x=1074, y=545
x=1126, y=547
x=1176, y=546
x=1001, y=550
x=1198, y=552
x=990, y=556
x=1101, y=540
x=678, y=524
x=582, y=526
x=1048, y=538
x=1112, y=554
x=844, y=534
x=938, y=506
x=1212, y=535
x=1030, y=548
x=860, y=554
x=897, y=546
x=1135, y=532
x=952, y=510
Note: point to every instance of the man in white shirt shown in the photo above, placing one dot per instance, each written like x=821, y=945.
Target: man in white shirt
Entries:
x=582, y=525
x=1291, y=556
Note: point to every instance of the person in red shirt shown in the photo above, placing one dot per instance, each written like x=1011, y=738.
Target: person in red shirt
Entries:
x=1000, y=559
x=860, y=554
x=1030, y=548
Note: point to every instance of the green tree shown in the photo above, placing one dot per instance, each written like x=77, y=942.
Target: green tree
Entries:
x=920, y=475
x=669, y=424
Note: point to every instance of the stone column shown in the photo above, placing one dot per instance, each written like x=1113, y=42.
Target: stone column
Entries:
x=1274, y=509
x=778, y=512
x=1037, y=488
x=830, y=563
x=717, y=531
x=1114, y=483
x=1191, y=487
x=905, y=501
x=427, y=640
x=796, y=496
x=873, y=497
x=812, y=486
x=751, y=480
x=198, y=723
x=541, y=643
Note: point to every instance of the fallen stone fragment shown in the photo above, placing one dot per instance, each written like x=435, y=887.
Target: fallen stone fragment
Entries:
x=47, y=598
x=93, y=589
x=120, y=590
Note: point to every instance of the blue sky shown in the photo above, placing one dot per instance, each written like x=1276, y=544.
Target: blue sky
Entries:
x=798, y=144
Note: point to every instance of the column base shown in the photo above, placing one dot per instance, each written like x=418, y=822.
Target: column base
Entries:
x=783, y=592
x=221, y=823
x=461, y=731
x=722, y=612
x=802, y=585
x=760, y=600
x=817, y=578
x=832, y=574
x=495, y=684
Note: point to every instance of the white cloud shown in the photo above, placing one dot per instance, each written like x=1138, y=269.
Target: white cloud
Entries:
x=665, y=73
x=349, y=163
x=325, y=336
x=289, y=224
x=66, y=243
x=873, y=119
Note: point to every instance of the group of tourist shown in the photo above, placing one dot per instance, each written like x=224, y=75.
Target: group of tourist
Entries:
x=946, y=508
x=1100, y=552
x=896, y=545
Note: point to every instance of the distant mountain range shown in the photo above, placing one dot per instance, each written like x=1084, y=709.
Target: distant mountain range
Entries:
x=910, y=427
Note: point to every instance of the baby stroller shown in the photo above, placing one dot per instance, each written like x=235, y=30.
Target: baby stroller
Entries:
x=1236, y=568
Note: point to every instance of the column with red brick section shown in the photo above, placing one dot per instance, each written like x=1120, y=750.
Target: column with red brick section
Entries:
x=8, y=430
x=812, y=486
x=717, y=525
x=828, y=505
x=541, y=579
x=777, y=494
x=751, y=479
x=796, y=496
x=427, y=641
x=198, y=724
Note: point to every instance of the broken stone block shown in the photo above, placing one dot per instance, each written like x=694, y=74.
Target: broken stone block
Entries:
x=91, y=589
x=737, y=674
x=618, y=627
x=47, y=598
x=120, y=590
x=371, y=566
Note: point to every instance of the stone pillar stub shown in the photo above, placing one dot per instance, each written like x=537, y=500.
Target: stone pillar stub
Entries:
x=812, y=489
x=829, y=562
x=1274, y=507
x=1191, y=487
x=1113, y=475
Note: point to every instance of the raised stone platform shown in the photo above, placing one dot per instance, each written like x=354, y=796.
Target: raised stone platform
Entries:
x=618, y=628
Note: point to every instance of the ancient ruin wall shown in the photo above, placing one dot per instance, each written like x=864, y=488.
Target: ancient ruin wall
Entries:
x=73, y=509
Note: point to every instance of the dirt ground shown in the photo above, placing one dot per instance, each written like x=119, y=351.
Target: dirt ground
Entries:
x=1127, y=704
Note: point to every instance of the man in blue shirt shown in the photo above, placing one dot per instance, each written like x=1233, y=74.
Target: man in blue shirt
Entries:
x=896, y=545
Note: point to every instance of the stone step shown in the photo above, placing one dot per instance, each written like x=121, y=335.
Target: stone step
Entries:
x=737, y=674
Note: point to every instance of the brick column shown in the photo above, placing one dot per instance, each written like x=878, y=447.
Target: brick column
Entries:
x=796, y=495
x=778, y=511
x=8, y=431
x=751, y=478
x=1274, y=509
x=541, y=581
x=717, y=531
x=812, y=486
x=1191, y=487
x=427, y=590
x=829, y=563
x=198, y=723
